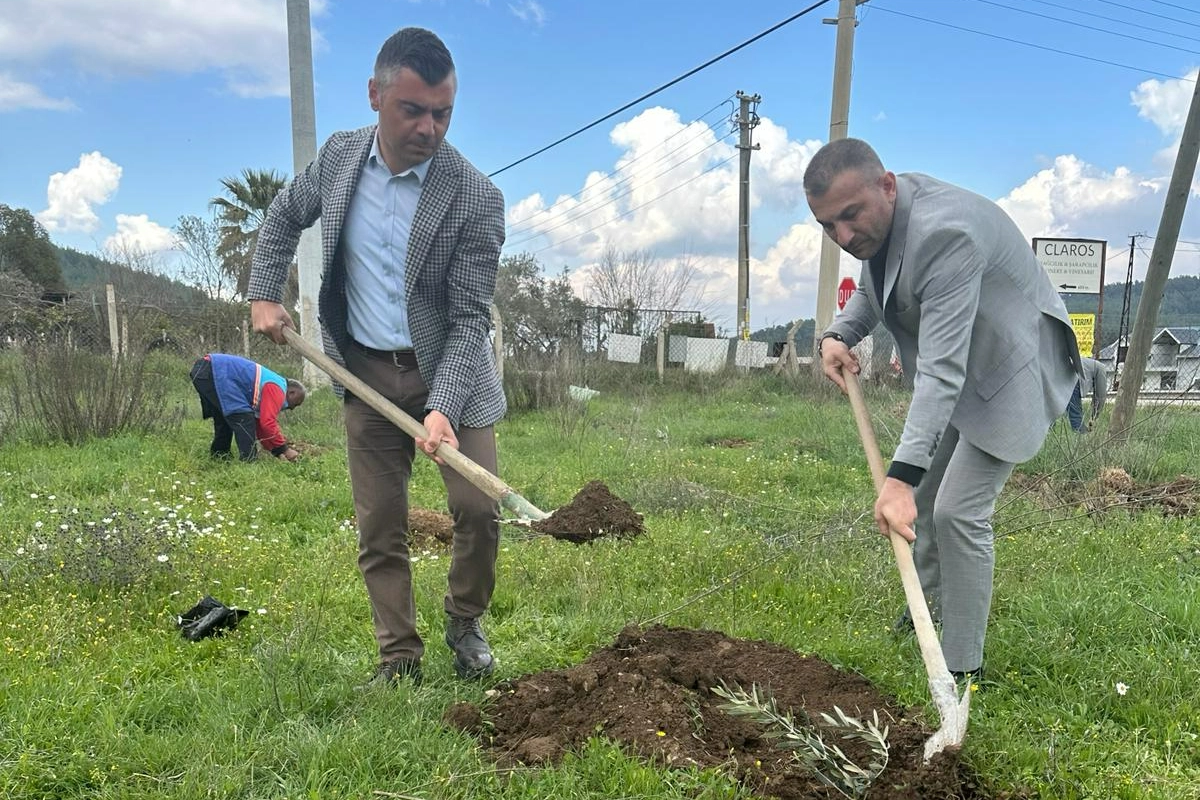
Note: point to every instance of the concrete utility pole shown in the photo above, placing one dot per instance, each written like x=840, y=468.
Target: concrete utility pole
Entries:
x=1156, y=274
x=747, y=122
x=839, y=124
x=304, y=150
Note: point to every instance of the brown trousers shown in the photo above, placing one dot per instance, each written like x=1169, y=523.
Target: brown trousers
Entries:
x=381, y=458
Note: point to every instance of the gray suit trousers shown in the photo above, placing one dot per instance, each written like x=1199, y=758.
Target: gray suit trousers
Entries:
x=954, y=551
x=380, y=460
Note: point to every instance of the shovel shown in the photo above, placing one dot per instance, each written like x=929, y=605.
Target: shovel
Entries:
x=479, y=477
x=942, y=686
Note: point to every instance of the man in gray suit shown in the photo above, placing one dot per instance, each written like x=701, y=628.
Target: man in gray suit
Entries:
x=1095, y=383
x=411, y=235
x=987, y=342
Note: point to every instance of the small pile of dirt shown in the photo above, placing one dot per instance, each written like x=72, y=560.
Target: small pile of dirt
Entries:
x=1114, y=480
x=1113, y=488
x=651, y=691
x=592, y=514
x=1179, y=497
x=429, y=530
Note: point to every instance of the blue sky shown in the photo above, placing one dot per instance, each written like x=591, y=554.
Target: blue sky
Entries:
x=116, y=118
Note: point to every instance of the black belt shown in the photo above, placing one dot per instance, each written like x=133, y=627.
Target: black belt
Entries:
x=401, y=358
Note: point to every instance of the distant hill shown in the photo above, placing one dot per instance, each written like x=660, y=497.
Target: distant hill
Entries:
x=1180, y=305
x=83, y=272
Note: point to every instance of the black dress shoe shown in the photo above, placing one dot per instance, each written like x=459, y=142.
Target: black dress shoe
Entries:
x=974, y=675
x=904, y=623
x=472, y=654
x=390, y=673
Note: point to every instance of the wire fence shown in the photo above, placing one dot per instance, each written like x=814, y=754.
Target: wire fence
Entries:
x=131, y=326
x=128, y=327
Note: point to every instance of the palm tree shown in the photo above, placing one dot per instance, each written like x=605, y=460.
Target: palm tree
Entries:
x=241, y=213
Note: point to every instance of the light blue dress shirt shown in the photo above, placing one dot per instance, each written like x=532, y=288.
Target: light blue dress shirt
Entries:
x=375, y=241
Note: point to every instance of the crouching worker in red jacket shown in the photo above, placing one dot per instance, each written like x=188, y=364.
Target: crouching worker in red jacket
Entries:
x=244, y=399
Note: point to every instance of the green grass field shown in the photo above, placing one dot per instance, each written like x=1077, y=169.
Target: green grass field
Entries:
x=757, y=505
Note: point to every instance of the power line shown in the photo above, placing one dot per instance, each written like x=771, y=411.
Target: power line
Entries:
x=1054, y=50
x=617, y=197
x=1179, y=242
x=643, y=205
x=1150, y=13
x=567, y=218
x=1115, y=19
x=580, y=212
x=519, y=227
x=1173, y=5
x=1087, y=27
x=665, y=86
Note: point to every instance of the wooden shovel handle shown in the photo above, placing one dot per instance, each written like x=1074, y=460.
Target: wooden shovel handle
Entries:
x=479, y=477
x=931, y=648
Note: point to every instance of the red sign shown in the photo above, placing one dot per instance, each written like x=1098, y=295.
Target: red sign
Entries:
x=845, y=289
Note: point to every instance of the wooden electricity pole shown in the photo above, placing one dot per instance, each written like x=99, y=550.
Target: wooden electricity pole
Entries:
x=839, y=124
x=1156, y=274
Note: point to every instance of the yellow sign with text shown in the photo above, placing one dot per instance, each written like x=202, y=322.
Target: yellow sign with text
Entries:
x=1084, y=326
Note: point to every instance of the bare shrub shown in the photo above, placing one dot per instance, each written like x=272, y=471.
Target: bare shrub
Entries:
x=71, y=395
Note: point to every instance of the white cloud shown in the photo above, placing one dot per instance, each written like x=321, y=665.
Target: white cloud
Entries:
x=529, y=11
x=72, y=194
x=138, y=235
x=1060, y=200
x=673, y=183
x=15, y=94
x=777, y=167
x=244, y=40
x=1166, y=103
x=672, y=192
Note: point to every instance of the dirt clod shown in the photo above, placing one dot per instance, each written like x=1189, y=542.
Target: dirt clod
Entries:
x=651, y=692
x=429, y=530
x=593, y=513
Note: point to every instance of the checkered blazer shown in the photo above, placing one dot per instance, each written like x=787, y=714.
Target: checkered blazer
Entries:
x=450, y=269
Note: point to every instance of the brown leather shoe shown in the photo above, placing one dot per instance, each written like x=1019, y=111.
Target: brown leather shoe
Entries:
x=472, y=654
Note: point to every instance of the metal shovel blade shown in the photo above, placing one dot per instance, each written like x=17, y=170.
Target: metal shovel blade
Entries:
x=953, y=711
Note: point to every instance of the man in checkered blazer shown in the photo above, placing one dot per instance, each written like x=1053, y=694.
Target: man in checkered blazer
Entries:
x=411, y=235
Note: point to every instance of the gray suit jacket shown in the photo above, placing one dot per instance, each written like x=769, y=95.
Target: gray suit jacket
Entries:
x=450, y=269
x=1094, y=383
x=979, y=326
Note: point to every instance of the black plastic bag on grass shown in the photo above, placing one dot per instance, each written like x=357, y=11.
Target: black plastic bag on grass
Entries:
x=209, y=617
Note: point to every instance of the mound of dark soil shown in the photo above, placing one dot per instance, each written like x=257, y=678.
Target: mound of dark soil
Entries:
x=651, y=691
x=593, y=513
x=429, y=530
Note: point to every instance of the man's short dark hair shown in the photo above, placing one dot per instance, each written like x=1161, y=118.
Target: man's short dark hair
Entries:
x=417, y=49
x=837, y=157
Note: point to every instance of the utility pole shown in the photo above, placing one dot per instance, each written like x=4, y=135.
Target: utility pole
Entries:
x=304, y=150
x=747, y=122
x=1156, y=274
x=839, y=124
x=1126, y=302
